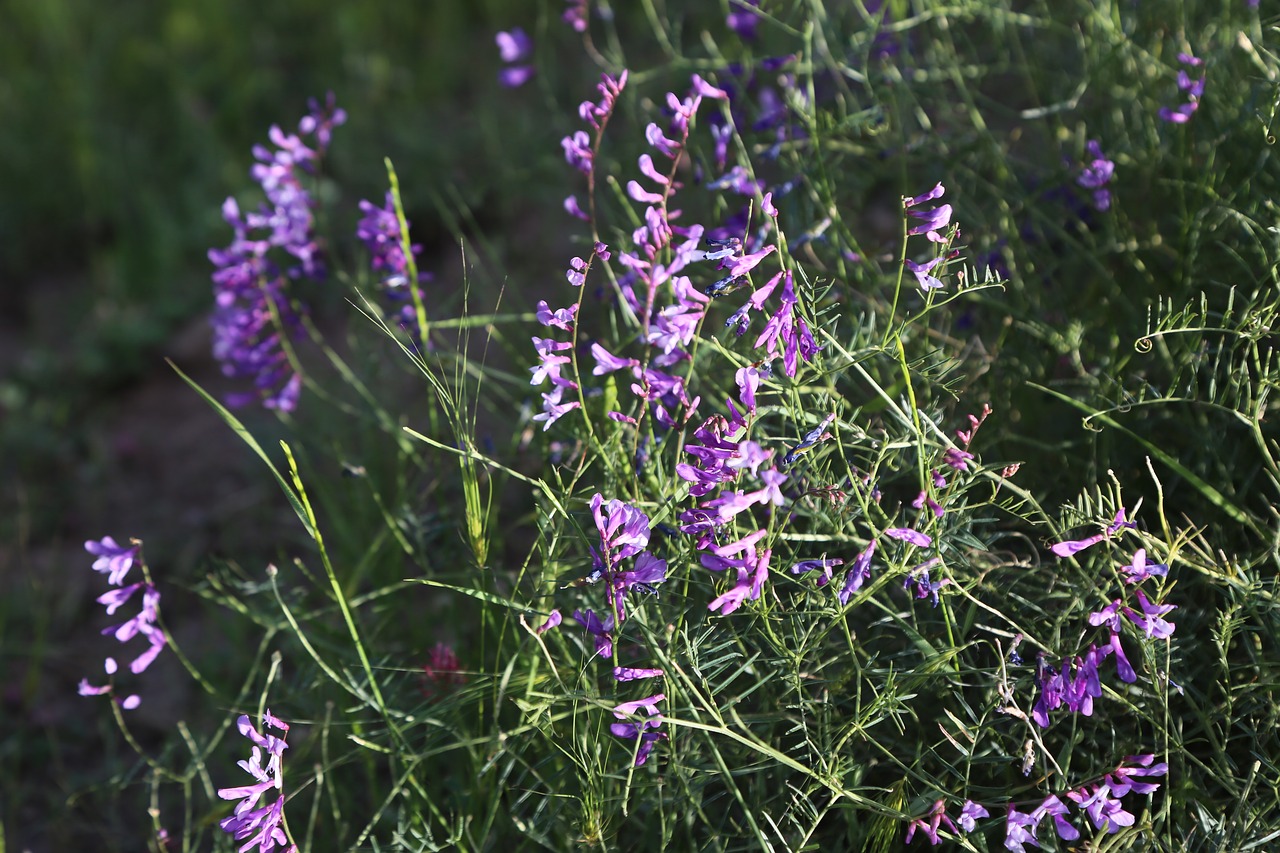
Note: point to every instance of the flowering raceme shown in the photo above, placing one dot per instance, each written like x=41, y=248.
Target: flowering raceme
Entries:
x=260, y=827
x=116, y=561
x=254, y=308
x=379, y=230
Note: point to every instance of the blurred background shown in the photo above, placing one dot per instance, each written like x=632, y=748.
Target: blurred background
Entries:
x=123, y=127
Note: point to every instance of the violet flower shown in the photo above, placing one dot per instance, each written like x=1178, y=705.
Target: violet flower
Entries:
x=379, y=230
x=601, y=630
x=646, y=729
x=1071, y=547
x=1193, y=89
x=253, y=305
x=932, y=220
x=969, y=814
x=1054, y=807
x=514, y=46
x=789, y=330
x=937, y=815
x=1096, y=175
x=743, y=19
x=259, y=827
x=924, y=275
x=1019, y=829
x=1139, y=570
x=1150, y=620
x=913, y=537
x=859, y=573
x=114, y=560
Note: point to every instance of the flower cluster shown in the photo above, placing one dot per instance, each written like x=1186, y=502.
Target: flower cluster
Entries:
x=579, y=147
x=932, y=223
x=379, y=230
x=260, y=827
x=1192, y=89
x=1096, y=174
x=115, y=561
x=1100, y=802
x=1076, y=683
x=514, y=47
x=271, y=247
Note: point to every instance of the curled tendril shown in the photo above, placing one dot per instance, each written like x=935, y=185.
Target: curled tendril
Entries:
x=1143, y=344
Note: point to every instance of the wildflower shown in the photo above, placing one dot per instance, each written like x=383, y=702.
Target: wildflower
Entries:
x=1104, y=811
x=627, y=673
x=922, y=499
x=514, y=46
x=113, y=560
x=1020, y=829
x=601, y=630
x=906, y=534
x=969, y=814
x=748, y=379
x=561, y=318
x=624, y=530
x=645, y=730
x=442, y=671
x=253, y=310
x=1096, y=175
x=931, y=220
x=743, y=19
x=379, y=230
x=553, y=620
x=732, y=599
x=260, y=826
x=1071, y=547
x=129, y=703
x=553, y=409
x=824, y=565
x=607, y=362
x=790, y=330
x=937, y=815
x=859, y=573
x=548, y=362
x=1055, y=808
x=1193, y=89
x=1150, y=620
x=1139, y=570
x=957, y=459
x=576, y=14
x=923, y=273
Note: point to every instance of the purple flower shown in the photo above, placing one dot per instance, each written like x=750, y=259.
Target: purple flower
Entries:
x=113, y=560
x=789, y=330
x=1096, y=175
x=553, y=620
x=923, y=273
x=645, y=729
x=1104, y=811
x=576, y=14
x=627, y=673
x=1059, y=811
x=607, y=362
x=253, y=305
x=1139, y=570
x=958, y=459
x=259, y=827
x=969, y=814
x=825, y=566
x=810, y=440
x=624, y=530
x=1070, y=547
x=743, y=19
x=379, y=230
x=514, y=46
x=561, y=318
x=553, y=407
x=931, y=220
x=859, y=573
x=1193, y=89
x=602, y=631
x=906, y=534
x=1019, y=829
x=1150, y=620
x=937, y=815
x=733, y=598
